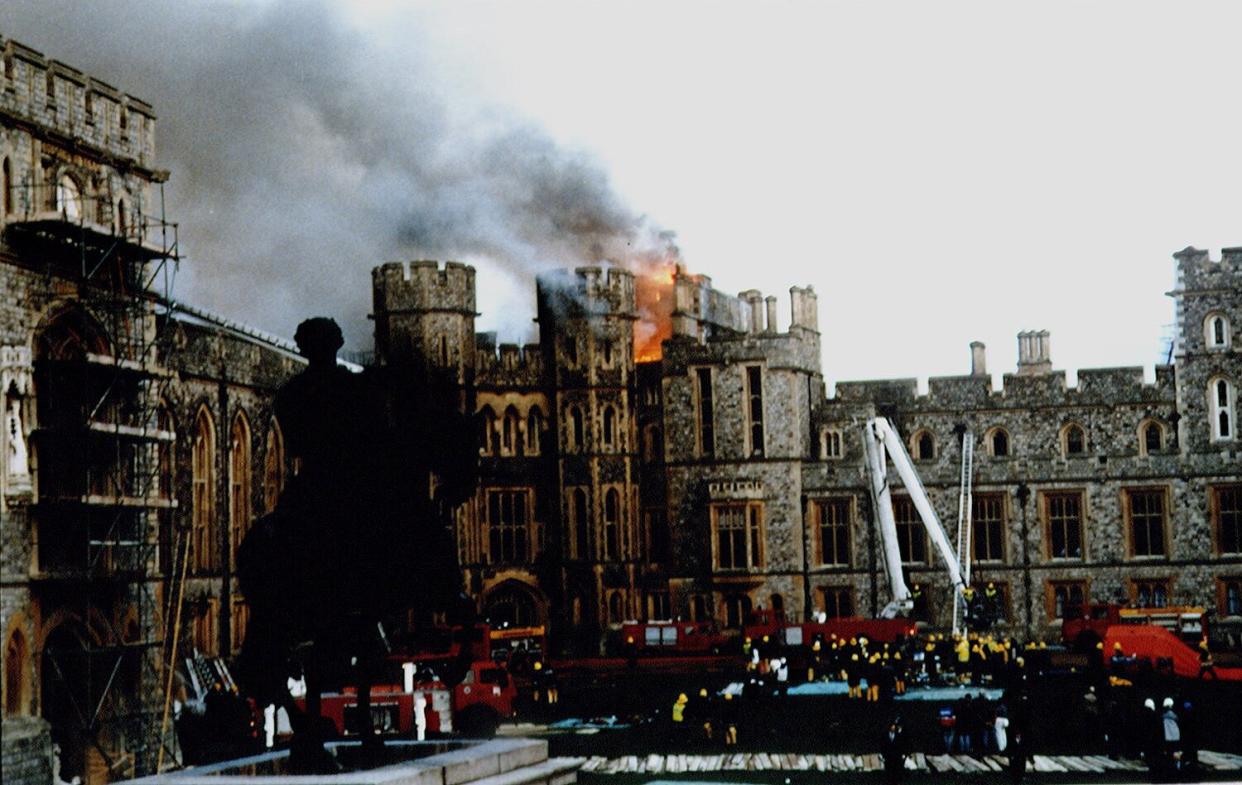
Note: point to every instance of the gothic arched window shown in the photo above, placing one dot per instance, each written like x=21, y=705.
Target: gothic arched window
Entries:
x=1222, y=400
x=203, y=501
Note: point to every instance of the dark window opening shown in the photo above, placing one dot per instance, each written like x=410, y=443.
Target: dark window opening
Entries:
x=1152, y=438
x=834, y=531
x=581, y=524
x=925, y=447
x=1147, y=523
x=507, y=519
x=612, y=548
x=1229, y=518
x=1065, y=525
x=1000, y=444
x=911, y=540
x=988, y=526
x=837, y=603
x=1068, y=600
x=1075, y=441
x=707, y=433
x=754, y=391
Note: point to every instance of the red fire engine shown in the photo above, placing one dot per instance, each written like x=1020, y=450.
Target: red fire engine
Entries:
x=472, y=699
x=662, y=638
x=1087, y=625
x=773, y=626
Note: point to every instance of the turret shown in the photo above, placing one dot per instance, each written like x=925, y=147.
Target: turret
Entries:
x=424, y=313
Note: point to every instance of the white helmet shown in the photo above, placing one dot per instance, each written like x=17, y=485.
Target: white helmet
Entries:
x=1168, y=703
x=1149, y=704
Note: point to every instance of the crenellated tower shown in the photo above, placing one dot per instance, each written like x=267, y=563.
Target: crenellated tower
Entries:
x=424, y=313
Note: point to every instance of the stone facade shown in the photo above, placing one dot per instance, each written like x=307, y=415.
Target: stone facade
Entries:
x=27, y=751
x=739, y=483
x=104, y=384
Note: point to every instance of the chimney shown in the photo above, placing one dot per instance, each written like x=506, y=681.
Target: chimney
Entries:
x=1034, y=352
x=754, y=299
x=978, y=359
x=770, y=302
x=804, y=310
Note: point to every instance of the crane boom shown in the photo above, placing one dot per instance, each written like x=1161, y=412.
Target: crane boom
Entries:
x=881, y=441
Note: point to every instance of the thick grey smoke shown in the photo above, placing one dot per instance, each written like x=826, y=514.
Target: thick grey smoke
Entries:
x=301, y=158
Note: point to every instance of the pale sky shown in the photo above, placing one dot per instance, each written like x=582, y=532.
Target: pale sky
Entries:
x=939, y=172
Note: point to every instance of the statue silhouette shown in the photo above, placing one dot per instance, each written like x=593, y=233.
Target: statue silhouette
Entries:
x=357, y=539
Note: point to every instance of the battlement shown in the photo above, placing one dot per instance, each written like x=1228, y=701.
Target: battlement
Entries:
x=66, y=103
x=424, y=286
x=1096, y=386
x=506, y=364
x=701, y=312
x=587, y=291
x=1197, y=271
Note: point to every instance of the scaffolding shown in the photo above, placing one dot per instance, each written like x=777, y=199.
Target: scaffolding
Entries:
x=106, y=547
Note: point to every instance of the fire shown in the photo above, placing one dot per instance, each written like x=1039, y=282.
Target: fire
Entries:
x=655, y=299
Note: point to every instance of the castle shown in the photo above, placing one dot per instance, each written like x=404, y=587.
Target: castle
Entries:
x=140, y=445
x=721, y=477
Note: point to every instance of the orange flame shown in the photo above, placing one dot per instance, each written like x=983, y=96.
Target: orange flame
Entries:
x=654, y=297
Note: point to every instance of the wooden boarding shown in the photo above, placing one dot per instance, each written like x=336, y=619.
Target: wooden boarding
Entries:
x=957, y=764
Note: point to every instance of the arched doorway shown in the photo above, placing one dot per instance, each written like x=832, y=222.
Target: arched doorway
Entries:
x=512, y=604
x=71, y=691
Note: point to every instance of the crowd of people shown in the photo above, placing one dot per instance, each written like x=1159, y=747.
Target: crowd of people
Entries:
x=1110, y=714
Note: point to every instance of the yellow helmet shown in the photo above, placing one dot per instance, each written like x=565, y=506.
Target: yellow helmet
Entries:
x=1099, y=645
x=765, y=639
x=629, y=638
x=854, y=657
x=538, y=666
x=728, y=696
x=702, y=692
x=682, y=698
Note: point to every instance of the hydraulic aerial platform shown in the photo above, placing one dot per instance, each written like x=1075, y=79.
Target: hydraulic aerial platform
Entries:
x=883, y=444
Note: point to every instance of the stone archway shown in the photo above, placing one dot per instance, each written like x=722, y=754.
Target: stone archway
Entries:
x=68, y=700
x=514, y=604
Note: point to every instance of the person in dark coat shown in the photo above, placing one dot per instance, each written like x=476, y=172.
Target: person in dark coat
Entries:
x=1190, y=734
x=1019, y=738
x=1114, y=728
x=893, y=749
x=1151, y=734
x=966, y=722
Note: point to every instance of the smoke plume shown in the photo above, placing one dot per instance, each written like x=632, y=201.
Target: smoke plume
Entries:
x=303, y=155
